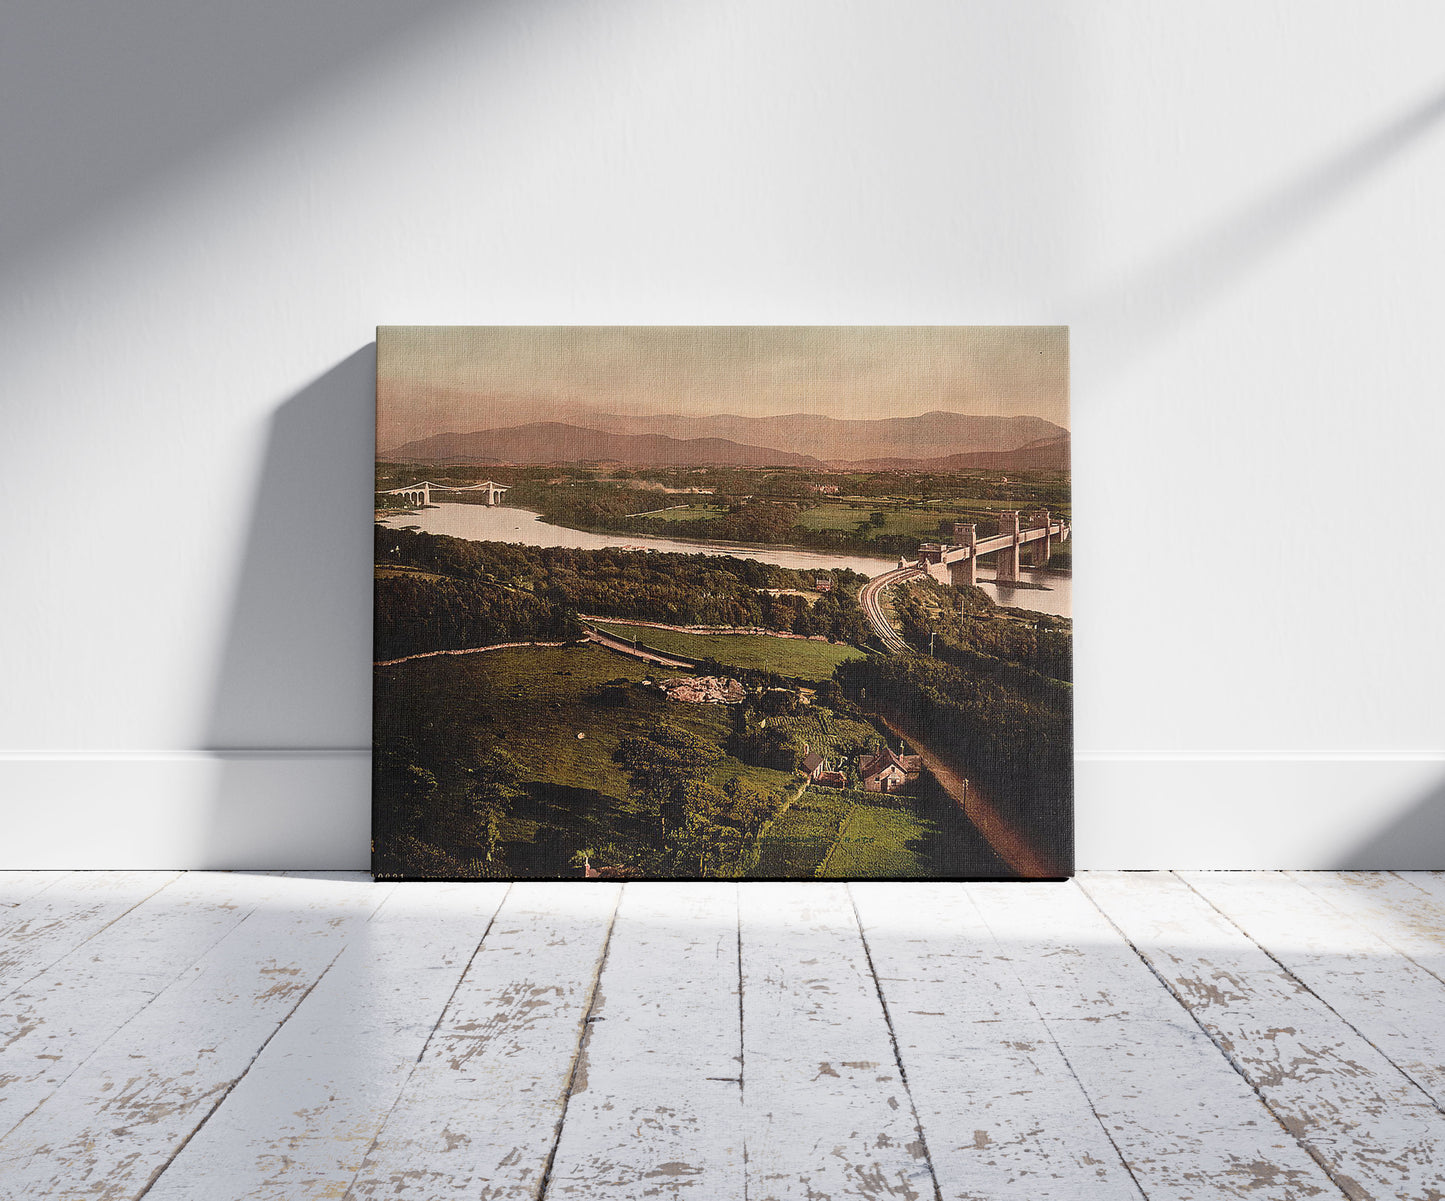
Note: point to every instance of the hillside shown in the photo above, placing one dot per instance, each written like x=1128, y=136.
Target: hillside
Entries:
x=923, y=436
x=558, y=442
x=926, y=435
x=1046, y=455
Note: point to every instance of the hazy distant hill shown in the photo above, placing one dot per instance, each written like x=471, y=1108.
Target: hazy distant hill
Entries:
x=1050, y=454
x=925, y=436
x=558, y=442
x=928, y=435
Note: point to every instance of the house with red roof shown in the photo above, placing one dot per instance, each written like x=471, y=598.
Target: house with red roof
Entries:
x=888, y=771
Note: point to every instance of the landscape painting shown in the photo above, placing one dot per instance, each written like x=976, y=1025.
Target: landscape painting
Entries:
x=723, y=603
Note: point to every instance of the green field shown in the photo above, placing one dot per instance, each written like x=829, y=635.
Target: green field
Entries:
x=906, y=519
x=877, y=841
x=896, y=520
x=796, y=657
x=690, y=513
x=901, y=516
x=533, y=702
x=831, y=834
x=389, y=572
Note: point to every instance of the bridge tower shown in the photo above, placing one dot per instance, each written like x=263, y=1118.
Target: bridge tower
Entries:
x=1040, y=550
x=1008, y=558
x=930, y=558
x=965, y=570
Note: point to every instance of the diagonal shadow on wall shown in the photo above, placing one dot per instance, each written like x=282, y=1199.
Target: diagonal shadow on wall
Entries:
x=1151, y=303
x=106, y=102
x=1413, y=842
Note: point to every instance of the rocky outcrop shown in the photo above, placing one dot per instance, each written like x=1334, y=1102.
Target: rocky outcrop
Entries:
x=715, y=690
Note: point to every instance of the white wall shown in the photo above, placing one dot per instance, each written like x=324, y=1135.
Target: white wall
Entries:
x=206, y=207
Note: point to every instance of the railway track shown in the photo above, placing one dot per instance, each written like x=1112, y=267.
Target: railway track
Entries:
x=870, y=598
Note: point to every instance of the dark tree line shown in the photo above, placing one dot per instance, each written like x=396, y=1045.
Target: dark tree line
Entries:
x=504, y=592
x=1013, y=735
x=971, y=631
x=439, y=797
x=417, y=613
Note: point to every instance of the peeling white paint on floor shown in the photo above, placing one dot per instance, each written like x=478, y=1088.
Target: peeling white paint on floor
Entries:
x=1135, y=1035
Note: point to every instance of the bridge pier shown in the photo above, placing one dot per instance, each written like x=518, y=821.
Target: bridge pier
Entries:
x=963, y=572
x=1040, y=551
x=1007, y=571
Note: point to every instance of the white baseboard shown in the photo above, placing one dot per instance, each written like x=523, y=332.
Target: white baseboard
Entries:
x=311, y=809
x=277, y=809
x=1251, y=810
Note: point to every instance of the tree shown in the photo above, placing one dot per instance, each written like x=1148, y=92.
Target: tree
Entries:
x=660, y=766
x=405, y=792
x=708, y=835
x=750, y=807
x=491, y=789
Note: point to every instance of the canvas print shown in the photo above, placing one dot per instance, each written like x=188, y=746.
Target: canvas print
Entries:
x=723, y=603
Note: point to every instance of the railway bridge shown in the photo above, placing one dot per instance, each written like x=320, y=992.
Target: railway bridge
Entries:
x=1019, y=543
x=956, y=562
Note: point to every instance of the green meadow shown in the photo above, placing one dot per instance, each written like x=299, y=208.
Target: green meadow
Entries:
x=835, y=835
x=799, y=658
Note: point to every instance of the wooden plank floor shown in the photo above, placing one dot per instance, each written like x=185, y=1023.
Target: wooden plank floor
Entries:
x=1124, y=1036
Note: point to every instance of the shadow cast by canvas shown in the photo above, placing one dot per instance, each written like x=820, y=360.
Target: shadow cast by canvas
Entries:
x=293, y=678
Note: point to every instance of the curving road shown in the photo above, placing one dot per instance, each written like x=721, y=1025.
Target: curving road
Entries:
x=1001, y=834
x=870, y=598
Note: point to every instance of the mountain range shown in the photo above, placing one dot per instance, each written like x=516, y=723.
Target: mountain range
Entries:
x=1048, y=454
x=556, y=442
x=927, y=435
x=929, y=441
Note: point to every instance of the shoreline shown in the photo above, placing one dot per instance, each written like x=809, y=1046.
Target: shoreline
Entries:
x=1009, y=595
x=720, y=543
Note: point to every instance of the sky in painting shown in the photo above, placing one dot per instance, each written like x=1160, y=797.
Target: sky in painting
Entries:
x=455, y=379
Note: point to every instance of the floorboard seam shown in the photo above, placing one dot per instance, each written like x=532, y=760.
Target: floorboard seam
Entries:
x=1325, y=899
x=1290, y=975
x=93, y=934
x=1093, y=1109
x=1367, y=926
x=1068, y=1063
x=1425, y=892
x=431, y=1034
x=231, y=1087
x=742, y=1039
x=44, y=888
x=105, y=1042
x=1404, y=954
x=1348, y=1193
x=1428, y=896
x=584, y=1036
x=893, y=1041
